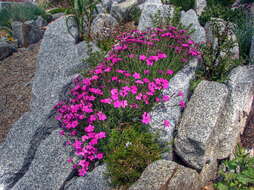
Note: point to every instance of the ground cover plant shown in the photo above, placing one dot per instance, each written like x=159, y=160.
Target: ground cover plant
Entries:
x=238, y=173
x=183, y=4
x=116, y=96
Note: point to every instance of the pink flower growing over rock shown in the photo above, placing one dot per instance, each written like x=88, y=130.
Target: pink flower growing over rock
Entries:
x=166, y=123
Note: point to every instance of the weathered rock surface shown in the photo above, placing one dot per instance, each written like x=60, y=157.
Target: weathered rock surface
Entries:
x=167, y=175
x=149, y=10
x=170, y=110
x=40, y=22
x=197, y=133
x=238, y=107
x=224, y=27
x=7, y=48
x=32, y=151
x=252, y=50
x=190, y=18
x=94, y=180
x=200, y=5
x=103, y=26
x=26, y=33
x=121, y=10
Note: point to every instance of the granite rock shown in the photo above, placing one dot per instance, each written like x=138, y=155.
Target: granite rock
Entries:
x=23, y=154
x=170, y=110
x=196, y=139
x=94, y=180
x=167, y=175
x=151, y=9
x=190, y=18
x=238, y=107
x=103, y=26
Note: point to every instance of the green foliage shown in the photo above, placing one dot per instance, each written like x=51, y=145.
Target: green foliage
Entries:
x=237, y=174
x=217, y=61
x=184, y=4
x=131, y=150
x=20, y=12
x=83, y=13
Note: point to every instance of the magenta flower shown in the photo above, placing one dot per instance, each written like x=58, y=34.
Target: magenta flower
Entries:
x=166, y=123
x=89, y=128
x=146, y=118
x=142, y=57
x=170, y=72
x=136, y=75
x=101, y=116
x=182, y=104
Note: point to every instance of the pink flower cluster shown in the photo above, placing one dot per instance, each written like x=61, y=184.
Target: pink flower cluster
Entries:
x=127, y=80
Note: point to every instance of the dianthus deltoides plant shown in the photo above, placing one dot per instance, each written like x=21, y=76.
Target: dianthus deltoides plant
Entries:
x=121, y=90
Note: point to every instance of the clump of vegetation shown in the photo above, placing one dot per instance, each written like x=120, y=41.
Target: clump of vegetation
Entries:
x=217, y=58
x=119, y=93
x=184, y=4
x=83, y=14
x=238, y=173
x=131, y=150
x=134, y=15
x=20, y=12
x=238, y=16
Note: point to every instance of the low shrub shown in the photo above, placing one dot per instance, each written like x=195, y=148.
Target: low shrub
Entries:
x=120, y=90
x=20, y=12
x=238, y=173
x=131, y=150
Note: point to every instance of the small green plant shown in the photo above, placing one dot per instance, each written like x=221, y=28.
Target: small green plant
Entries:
x=57, y=10
x=83, y=13
x=184, y=4
x=237, y=174
x=131, y=151
x=225, y=3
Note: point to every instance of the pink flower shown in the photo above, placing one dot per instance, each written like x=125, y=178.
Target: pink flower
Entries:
x=99, y=156
x=117, y=104
x=114, y=78
x=165, y=98
x=146, y=72
x=146, y=118
x=180, y=93
x=142, y=57
x=166, y=123
x=89, y=128
x=182, y=104
x=134, y=89
x=106, y=101
x=170, y=72
x=139, y=96
x=162, y=55
x=136, y=75
x=149, y=62
x=100, y=135
x=101, y=116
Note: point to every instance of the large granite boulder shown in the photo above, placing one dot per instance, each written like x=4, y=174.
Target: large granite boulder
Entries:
x=170, y=110
x=26, y=33
x=197, y=135
x=149, y=10
x=238, y=107
x=223, y=27
x=33, y=156
x=190, y=18
x=167, y=175
x=94, y=180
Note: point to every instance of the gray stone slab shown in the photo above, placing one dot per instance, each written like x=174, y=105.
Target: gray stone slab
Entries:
x=49, y=168
x=196, y=138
